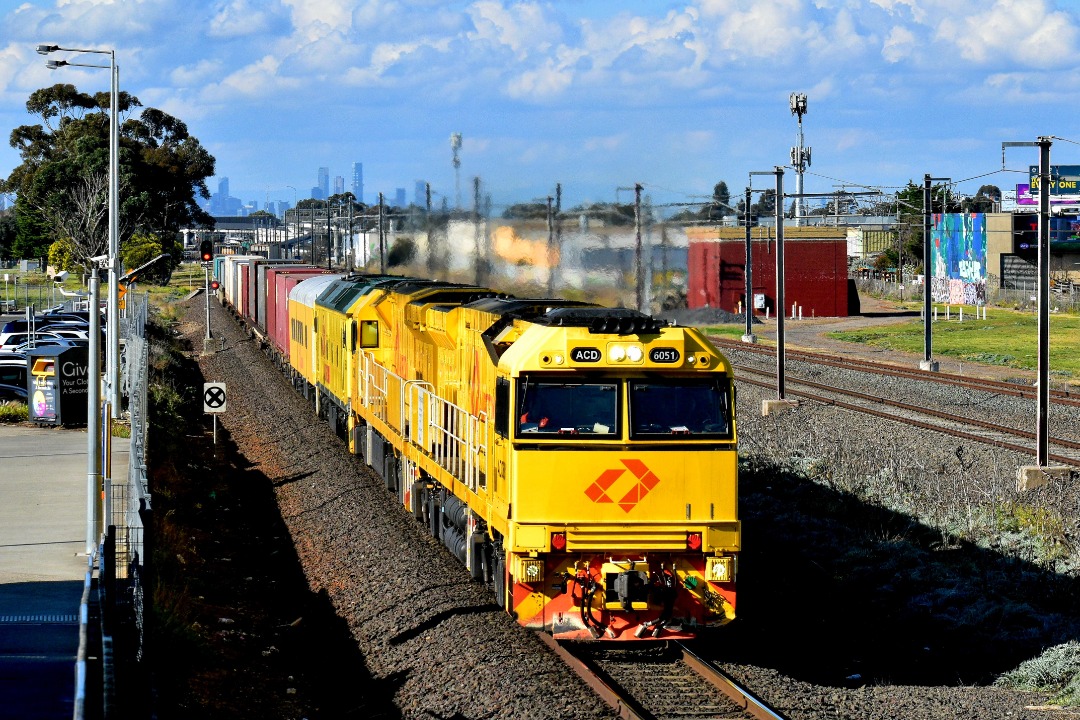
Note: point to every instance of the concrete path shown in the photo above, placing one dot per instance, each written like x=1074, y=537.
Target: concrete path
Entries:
x=43, y=563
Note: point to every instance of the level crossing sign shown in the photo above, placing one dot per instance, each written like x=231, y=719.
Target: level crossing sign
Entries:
x=214, y=397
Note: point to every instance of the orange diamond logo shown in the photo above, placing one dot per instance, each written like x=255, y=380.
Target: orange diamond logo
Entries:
x=646, y=481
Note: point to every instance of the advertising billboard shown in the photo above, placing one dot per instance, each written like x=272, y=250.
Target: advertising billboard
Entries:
x=958, y=261
x=1064, y=181
x=1063, y=233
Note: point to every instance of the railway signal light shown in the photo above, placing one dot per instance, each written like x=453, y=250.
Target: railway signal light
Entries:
x=206, y=250
x=214, y=284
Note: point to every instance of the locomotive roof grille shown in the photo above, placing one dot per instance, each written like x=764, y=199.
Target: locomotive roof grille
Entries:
x=607, y=321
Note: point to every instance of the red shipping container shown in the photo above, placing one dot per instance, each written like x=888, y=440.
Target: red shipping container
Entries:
x=279, y=281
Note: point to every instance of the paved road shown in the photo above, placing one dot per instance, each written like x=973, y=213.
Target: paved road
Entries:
x=42, y=566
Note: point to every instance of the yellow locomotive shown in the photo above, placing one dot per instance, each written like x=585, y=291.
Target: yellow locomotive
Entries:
x=581, y=460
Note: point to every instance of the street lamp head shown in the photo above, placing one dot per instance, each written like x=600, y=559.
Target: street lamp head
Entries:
x=53, y=64
x=46, y=49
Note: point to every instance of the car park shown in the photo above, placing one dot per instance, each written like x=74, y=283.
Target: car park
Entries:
x=12, y=392
x=13, y=369
x=49, y=342
x=38, y=340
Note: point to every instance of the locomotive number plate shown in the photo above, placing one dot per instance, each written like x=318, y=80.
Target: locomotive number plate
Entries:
x=664, y=355
x=585, y=355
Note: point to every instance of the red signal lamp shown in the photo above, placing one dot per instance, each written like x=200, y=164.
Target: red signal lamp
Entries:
x=558, y=541
x=214, y=285
x=693, y=541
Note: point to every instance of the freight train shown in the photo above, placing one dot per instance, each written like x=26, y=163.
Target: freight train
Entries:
x=579, y=460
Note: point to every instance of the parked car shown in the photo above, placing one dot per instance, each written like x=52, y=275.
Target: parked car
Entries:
x=10, y=340
x=12, y=392
x=42, y=324
x=40, y=342
x=13, y=369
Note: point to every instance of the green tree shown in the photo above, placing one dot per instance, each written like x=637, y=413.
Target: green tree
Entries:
x=535, y=210
x=986, y=200
x=141, y=249
x=720, y=205
x=7, y=233
x=62, y=180
x=909, y=211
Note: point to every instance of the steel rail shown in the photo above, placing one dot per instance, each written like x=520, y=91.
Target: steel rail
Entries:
x=1062, y=397
x=727, y=685
x=627, y=708
x=940, y=414
x=1019, y=449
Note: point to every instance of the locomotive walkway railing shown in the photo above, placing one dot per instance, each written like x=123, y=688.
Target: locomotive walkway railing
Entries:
x=447, y=433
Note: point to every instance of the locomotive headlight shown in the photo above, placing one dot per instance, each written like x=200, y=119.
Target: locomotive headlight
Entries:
x=720, y=569
x=634, y=354
x=532, y=571
x=617, y=353
x=559, y=359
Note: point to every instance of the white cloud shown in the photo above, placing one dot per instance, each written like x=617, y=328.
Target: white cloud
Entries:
x=1010, y=30
x=196, y=74
x=237, y=18
x=899, y=45
x=522, y=28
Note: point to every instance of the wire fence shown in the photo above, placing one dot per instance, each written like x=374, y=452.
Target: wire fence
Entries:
x=1064, y=297
x=124, y=596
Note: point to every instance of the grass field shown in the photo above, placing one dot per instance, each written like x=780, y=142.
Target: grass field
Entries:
x=1005, y=338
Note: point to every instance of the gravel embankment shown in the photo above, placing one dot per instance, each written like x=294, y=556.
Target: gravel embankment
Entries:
x=847, y=610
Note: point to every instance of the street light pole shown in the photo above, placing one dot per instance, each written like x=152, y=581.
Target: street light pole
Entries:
x=112, y=330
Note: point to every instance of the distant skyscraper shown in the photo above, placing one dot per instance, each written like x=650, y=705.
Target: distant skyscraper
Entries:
x=223, y=187
x=324, y=182
x=420, y=194
x=358, y=181
x=339, y=185
x=399, y=197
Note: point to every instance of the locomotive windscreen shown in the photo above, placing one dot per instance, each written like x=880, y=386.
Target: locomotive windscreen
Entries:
x=673, y=407
x=562, y=408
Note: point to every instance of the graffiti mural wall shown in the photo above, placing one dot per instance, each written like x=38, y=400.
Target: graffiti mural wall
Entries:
x=958, y=272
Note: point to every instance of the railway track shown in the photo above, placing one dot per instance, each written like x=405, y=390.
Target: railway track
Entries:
x=661, y=682
x=1063, y=397
x=995, y=434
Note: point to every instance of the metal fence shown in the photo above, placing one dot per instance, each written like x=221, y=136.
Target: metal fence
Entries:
x=123, y=554
x=1063, y=297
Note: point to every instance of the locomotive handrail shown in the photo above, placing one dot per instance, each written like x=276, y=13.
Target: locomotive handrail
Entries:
x=452, y=437
x=415, y=431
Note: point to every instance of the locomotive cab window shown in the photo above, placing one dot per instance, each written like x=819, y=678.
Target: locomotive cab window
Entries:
x=674, y=408
x=369, y=333
x=552, y=408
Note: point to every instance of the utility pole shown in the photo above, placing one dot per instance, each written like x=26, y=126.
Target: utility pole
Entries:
x=550, y=250
x=382, y=237
x=481, y=260
x=782, y=309
x=432, y=253
x=455, y=148
x=748, y=333
x=638, y=268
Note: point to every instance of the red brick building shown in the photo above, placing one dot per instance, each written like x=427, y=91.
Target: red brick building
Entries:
x=815, y=270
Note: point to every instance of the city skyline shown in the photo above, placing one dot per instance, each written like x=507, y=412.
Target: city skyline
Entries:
x=593, y=96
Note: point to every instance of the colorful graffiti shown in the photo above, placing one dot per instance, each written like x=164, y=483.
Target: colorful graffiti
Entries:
x=958, y=269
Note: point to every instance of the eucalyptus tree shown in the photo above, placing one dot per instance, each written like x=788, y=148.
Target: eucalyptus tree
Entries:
x=61, y=184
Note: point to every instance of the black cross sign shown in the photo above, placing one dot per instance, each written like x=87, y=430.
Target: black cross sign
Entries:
x=214, y=397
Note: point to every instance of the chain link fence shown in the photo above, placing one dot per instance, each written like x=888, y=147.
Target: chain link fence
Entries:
x=124, y=596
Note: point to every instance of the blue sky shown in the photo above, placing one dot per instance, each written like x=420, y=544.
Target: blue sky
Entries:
x=593, y=95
